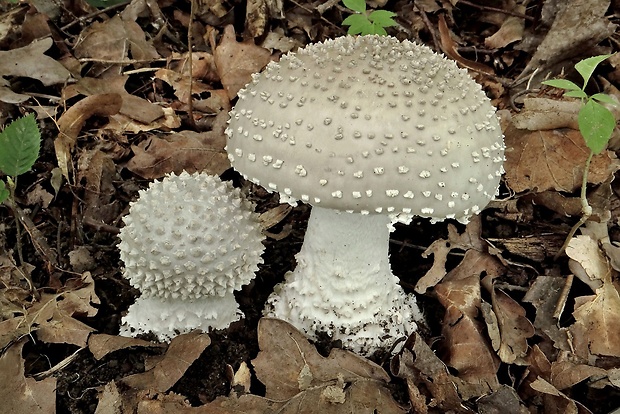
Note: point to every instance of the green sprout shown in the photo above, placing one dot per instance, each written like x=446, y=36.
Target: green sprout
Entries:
x=20, y=143
x=364, y=23
x=596, y=124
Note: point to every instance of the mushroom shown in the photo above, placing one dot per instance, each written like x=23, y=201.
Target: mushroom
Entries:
x=188, y=243
x=369, y=131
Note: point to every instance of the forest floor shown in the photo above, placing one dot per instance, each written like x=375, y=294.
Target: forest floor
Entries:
x=510, y=327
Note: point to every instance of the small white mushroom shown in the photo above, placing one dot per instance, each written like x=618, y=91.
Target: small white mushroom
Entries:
x=358, y=141
x=188, y=243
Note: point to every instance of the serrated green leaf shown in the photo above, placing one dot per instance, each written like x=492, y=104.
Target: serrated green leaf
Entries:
x=20, y=143
x=4, y=192
x=562, y=84
x=604, y=98
x=596, y=124
x=358, y=23
x=576, y=94
x=382, y=18
x=587, y=66
x=356, y=5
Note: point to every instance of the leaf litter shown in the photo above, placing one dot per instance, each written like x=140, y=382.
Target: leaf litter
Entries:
x=509, y=330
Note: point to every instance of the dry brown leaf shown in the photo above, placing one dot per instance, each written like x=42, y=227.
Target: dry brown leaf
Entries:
x=236, y=62
x=181, y=84
x=449, y=47
x=544, y=160
x=466, y=347
x=554, y=401
x=588, y=262
x=597, y=319
x=21, y=395
x=182, y=352
x=544, y=294
x=31, y=62
x=420, y=364
x=511, y=31
x=301, y=380
x=577, y=28
x=132, y=106
x=71, y=122
x=115, y=40
x=187, y=150
x=109, y=400
x=101, y=345
x=503, y=401
x=514, y=327
x=565, y=374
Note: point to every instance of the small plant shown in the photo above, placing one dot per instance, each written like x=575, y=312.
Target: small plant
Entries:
x=19, y=149
x=20, y=143
x=596, y=124
x=364, y=23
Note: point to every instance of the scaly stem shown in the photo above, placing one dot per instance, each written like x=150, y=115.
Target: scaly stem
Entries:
x=586, y=209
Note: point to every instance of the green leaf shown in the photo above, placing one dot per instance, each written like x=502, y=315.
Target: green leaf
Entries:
x=596, y=124
x=604, y=98
x=382, y=18
x=19, y=146
x=356, y=5
x=576, y=94
x=358, y=23
x=562, y=84
x=4, y=192
x=587, y=66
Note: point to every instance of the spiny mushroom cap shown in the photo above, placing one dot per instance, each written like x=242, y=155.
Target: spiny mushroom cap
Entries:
x=369, y=124
x=190, y=236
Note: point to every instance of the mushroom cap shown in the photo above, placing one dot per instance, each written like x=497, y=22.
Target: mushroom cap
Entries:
x=369, y=124
x=190, y=236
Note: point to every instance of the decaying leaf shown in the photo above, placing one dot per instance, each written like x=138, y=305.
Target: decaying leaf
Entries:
x=588, y=262
x=186, y=150
x=71, y=122
x=182, y=352
x=597, y=319
x=546, y=296
x=31, y=62
x=554, y=159
x=513, y=327
x=101, y=345
x=298, y=379
x=22, y=395
x=236, y=62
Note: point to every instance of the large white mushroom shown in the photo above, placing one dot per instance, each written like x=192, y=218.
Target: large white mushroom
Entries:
x=188, y=243
x=368, y=130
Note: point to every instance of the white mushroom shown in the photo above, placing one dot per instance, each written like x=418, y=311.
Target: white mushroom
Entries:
x=188, y=243
x=381, y=129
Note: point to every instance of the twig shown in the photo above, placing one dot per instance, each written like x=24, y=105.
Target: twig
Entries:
x=190, y=46
x=93, y=14
x=494, y=9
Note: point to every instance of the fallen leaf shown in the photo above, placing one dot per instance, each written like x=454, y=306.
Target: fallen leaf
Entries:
x=510, y=31
x=302, y=380
x=101, y=345
x=31, y=62
x=565, y=374
x=185, y=151
x=22, y=395
x=503, y=401
x=449, y=47
x=555, y=159
x=236, y=62
x=183, y=351
x=588, y=262
x=545, y=294
x=597, y=319
x=514, y=327
x=71, y=122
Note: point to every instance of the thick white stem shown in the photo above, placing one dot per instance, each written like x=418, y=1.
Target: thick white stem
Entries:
x=343, y=283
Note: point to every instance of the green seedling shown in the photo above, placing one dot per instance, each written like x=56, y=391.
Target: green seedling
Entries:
x=20, y=143
x=596, y=124
x=364, y=23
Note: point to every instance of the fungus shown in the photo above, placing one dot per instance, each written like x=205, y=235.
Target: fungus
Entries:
x=368, y=130
x=188, y=243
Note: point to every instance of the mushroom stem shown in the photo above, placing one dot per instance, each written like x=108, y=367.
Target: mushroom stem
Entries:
x=343, y=283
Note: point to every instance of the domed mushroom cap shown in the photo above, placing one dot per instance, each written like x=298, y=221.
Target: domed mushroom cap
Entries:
x=190, y=236
x=369, y=124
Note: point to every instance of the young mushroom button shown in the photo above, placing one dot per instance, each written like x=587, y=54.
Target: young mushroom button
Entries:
x=384, y=130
